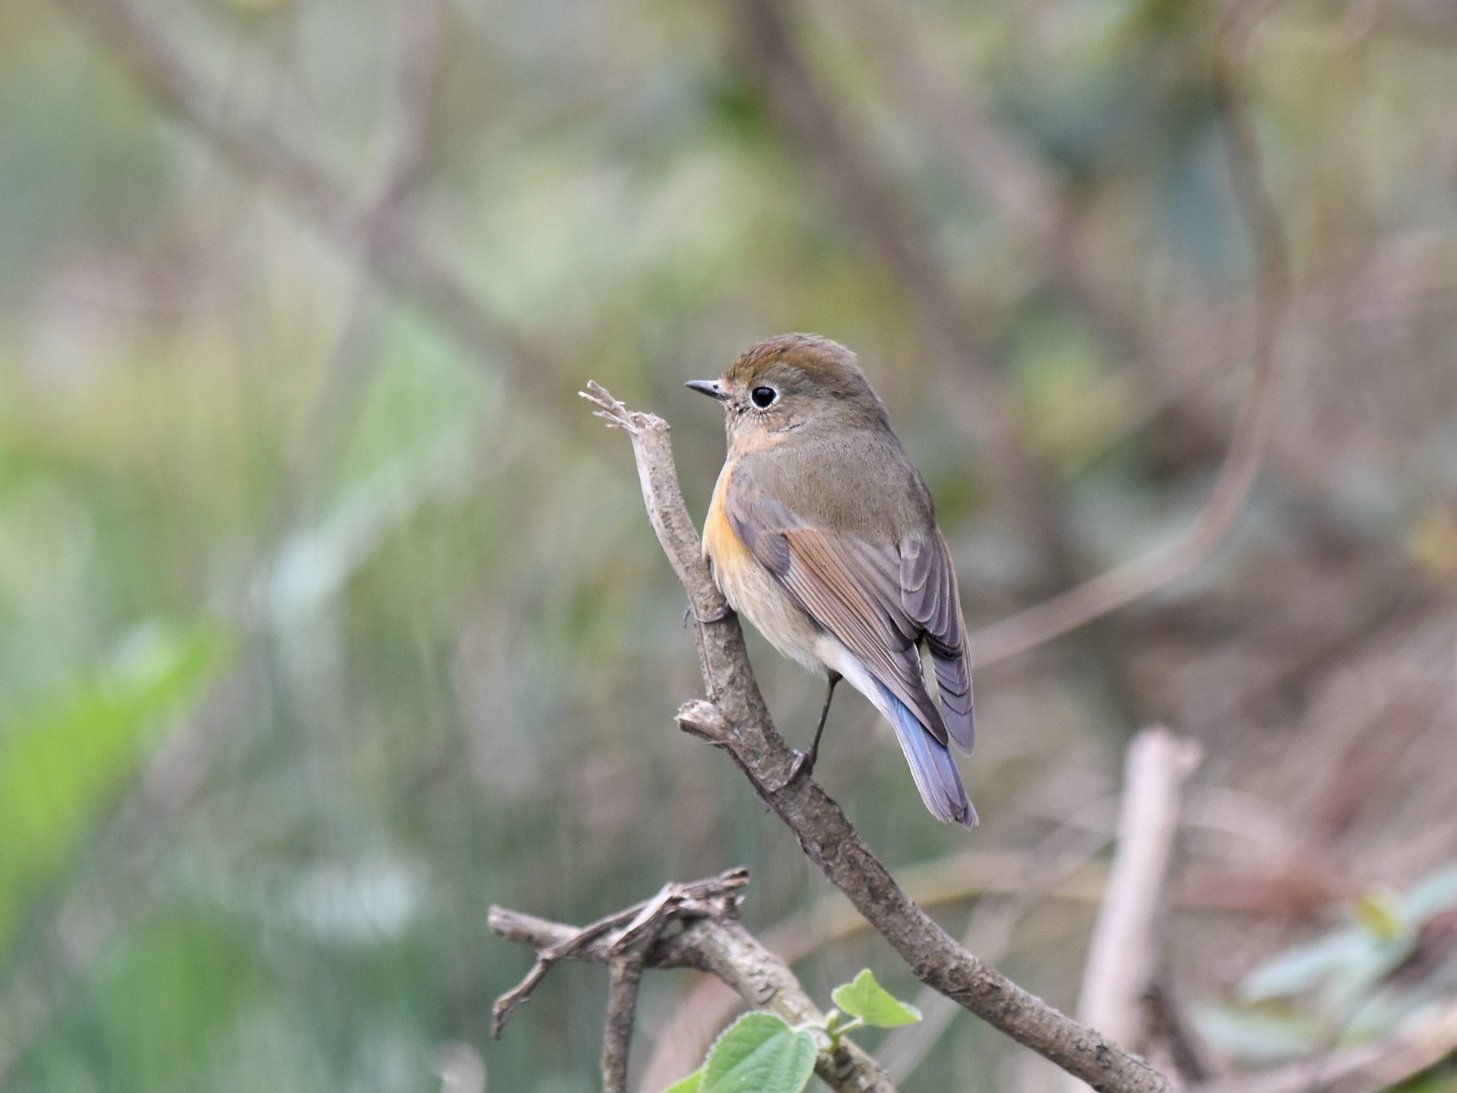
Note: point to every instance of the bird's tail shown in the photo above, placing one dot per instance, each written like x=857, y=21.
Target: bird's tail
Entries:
x=931, y=764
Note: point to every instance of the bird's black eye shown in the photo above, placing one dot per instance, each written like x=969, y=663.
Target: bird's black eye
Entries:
x=763, y=397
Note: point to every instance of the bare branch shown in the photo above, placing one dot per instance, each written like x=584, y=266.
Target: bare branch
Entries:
x=712, y=941
x=1003, y=884
x=628, y=927
x=739, y=721
x=654, y=457
x=1048, y=864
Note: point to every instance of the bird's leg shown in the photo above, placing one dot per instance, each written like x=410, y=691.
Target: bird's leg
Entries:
x=804, y=764
x=814, y=749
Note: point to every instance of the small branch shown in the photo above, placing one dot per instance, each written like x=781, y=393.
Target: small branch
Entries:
x=1124, y=954
x=629, y=928
x=712, y=940
x=1050, y=862
x=736, y=718
x=1004, y=884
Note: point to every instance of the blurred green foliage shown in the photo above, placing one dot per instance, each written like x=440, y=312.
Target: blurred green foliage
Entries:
x=323, y=628
x=63, y=760
x=1394, y=959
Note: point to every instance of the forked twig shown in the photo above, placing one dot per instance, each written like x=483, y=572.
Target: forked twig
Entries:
x=711, y=940
x=633, y=925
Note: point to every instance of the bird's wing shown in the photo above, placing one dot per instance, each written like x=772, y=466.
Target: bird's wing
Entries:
x=857, y=592
x=930, y=597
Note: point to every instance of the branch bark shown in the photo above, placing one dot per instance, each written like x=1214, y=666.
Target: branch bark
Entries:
x=621, y=1010
x=736, y=719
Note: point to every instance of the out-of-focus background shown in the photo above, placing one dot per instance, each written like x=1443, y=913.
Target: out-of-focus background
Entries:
x=329, y=616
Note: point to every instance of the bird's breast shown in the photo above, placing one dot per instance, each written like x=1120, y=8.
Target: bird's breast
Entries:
x=751, y=589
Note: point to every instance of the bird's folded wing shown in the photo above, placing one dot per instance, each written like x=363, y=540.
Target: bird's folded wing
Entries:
x=851, y=588
x=930, y=597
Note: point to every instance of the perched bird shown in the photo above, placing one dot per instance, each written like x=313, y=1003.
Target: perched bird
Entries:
x=822, y=533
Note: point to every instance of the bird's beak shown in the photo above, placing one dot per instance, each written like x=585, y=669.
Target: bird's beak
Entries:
x=707, y=387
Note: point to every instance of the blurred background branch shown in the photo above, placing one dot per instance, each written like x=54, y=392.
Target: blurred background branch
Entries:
x=1126, y=948
x=1253, y=428
x=376, y=231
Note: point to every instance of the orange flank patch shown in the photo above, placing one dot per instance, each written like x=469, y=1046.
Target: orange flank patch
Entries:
x=719, y=541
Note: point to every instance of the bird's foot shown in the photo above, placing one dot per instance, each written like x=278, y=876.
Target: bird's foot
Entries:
x=803, y=765
x=703, y=620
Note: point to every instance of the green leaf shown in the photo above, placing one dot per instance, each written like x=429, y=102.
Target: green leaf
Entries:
x=1261, y=1038
x=1304, y=967
x=866, y=999
x=759, y=1053
x=691, y=1084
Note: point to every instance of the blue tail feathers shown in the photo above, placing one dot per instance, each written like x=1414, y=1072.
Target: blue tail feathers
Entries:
x=931, y=764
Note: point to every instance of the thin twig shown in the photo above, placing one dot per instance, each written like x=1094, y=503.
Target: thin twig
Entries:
x=736, y=718
x=629, y=927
